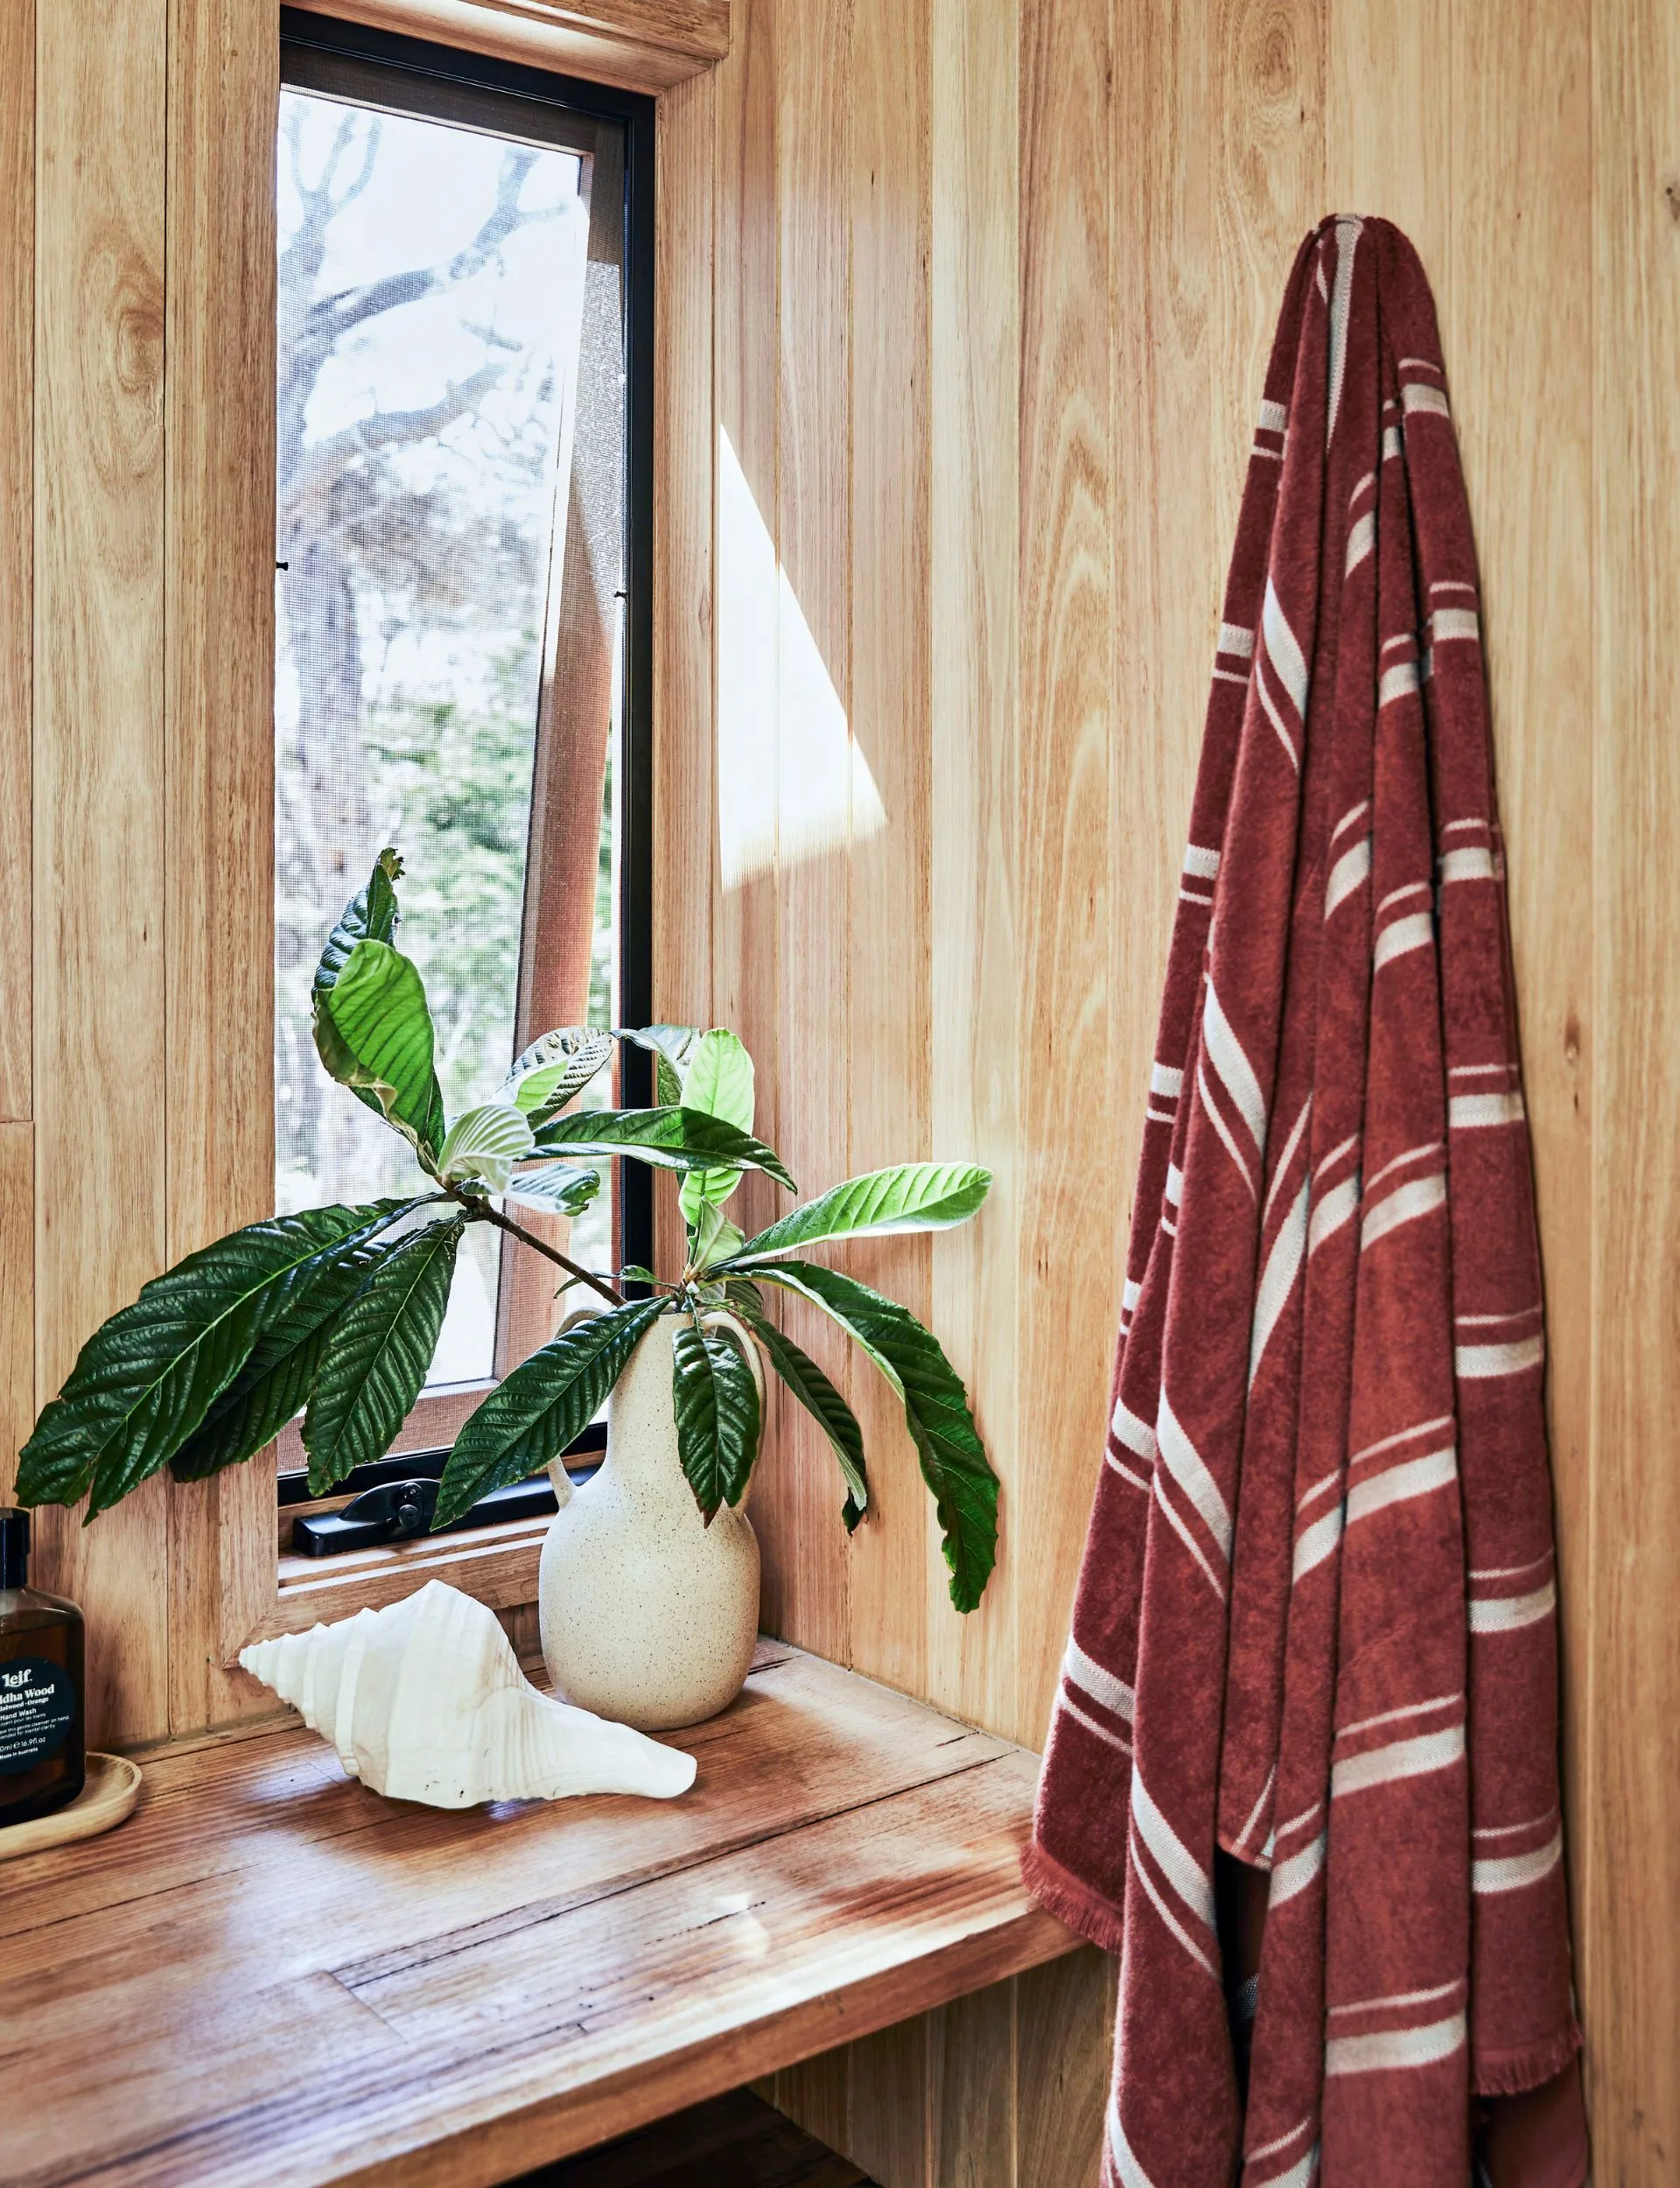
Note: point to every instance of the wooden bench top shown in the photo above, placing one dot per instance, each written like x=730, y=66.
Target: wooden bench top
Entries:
x=271, y=1977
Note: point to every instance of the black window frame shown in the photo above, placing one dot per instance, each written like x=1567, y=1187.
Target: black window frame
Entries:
x=634, y=112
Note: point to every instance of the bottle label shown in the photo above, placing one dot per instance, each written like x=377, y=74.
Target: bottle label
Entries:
x=38, y=1705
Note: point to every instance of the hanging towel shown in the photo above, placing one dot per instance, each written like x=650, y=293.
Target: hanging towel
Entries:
x=1315, y=1624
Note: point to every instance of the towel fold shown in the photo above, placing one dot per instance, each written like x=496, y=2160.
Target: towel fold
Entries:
x=1302, y=1770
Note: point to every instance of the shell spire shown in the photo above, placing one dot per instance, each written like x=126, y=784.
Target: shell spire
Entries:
x=425, y=1700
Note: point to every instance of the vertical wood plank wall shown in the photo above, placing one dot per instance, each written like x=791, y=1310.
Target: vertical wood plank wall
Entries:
x=963, y=304
x=136, y=307
x=966, y=384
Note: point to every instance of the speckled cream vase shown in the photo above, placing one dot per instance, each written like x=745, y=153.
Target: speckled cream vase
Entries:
x=648, y=1616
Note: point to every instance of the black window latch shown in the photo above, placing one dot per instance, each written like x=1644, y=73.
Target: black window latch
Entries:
x=399, y=1511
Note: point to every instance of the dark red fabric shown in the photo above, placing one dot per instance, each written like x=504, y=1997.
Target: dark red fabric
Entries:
x=1315, y=1625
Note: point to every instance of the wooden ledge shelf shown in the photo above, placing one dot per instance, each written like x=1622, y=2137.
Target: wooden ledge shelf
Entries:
x=271, y=1978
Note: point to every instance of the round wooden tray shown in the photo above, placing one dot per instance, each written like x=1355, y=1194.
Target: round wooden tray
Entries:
x=113, y=1787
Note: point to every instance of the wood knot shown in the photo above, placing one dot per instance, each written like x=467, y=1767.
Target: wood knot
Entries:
x=1671, y=194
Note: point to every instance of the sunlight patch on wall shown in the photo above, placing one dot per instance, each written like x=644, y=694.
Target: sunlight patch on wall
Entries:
x=784, y=796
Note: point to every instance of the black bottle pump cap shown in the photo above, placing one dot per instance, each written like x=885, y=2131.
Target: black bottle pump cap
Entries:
x=14, y=1547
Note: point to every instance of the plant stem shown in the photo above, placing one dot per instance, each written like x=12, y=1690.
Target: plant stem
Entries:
x=482, y=1208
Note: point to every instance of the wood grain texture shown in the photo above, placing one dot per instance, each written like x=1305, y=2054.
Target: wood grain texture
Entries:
x=219, y=735
x=1166, y=559
x=1266, y=143
x=495, y=1565
x=996, y=492
x=744, y=758
x=16, y=1295
x=1521, y=228
x=17, y=545
x=889, y=1093
x=640, y=45
x=684, y=429
x=100, y=992
x=973, y=2094
x=1064, y=2038
x=1113, y=198
x=817, y=781
x=1062, y=859
x=1626, y=1693
x=888, y=2115
x=472, y=1994
x=973, y=614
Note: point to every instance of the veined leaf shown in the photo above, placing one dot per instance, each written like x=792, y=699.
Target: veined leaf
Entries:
x=382, y=1344
x=719, y=1081
x=910, y=1196
x=821, y=1400
x=274, y=1384
x=716, y=1238
x=671, y=1046
x=371, y=914
x=145, y=1379
x=554, y=1070
x=485, y=1143
x=373, y=1031
x=670, y=1138
x=535, y=1413
x=560, y=1188
x=718, y=1416
x=954, y=1462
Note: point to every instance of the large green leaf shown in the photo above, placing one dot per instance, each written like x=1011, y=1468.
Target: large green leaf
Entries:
x=718, y=1416
x=145, y=1379
x=558, y=1188
x=554, y=1070
x=274, y=1384
x=719, y=1081
x=670, y=1138
x=954, y=1462
x=911, y=1196
x=485, y=1143
x=715, y=1238
x=371, y=914
x=535, y=1413
x=382, y=1344
x=373, y=1031
x=671, y=1047
x=820, y=1398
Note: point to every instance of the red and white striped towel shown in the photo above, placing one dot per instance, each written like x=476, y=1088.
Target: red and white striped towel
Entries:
x=1315, y=1627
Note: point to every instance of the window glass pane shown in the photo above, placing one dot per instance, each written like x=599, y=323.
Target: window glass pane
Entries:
x=430, y=291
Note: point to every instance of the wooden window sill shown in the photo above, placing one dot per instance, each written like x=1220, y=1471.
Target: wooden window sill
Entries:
x=497, y=1564
x=272, y=1974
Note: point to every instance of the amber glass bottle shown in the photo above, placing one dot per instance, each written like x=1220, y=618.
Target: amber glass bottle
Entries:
x=42, y=1730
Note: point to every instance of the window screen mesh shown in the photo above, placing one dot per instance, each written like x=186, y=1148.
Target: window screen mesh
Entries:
x=430, y=287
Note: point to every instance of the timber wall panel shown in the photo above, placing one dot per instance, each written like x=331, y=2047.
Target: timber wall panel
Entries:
x=963, y=311
x=973, y=611
x=99, y=1015
x=218, y=738
x=17, y=549
x=889, y=1092
x=1627, y=1691
x=1111, y=197
x=815, y=78
x=685, y=429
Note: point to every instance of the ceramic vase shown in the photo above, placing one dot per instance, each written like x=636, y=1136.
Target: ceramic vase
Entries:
x=648, y=1616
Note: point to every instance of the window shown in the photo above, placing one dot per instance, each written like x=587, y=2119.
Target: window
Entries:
x=464, y=474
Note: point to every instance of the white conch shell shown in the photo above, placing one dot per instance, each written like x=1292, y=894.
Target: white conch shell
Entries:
x=425, y=1700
